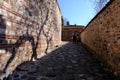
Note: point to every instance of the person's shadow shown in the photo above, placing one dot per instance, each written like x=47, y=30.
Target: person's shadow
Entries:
x=16, y=45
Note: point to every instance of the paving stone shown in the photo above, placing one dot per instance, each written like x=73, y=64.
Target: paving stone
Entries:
x=69, y=66
x=32, y=78
x=81, y=75
x=44, y=78
x=50, y=75
x=90, y=78
x=23, y=77
x=16, y=76
x=71, y=62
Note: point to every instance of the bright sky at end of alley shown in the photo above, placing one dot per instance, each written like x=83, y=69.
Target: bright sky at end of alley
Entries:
x=78, y=12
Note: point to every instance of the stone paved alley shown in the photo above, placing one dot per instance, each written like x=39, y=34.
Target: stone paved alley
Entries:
x=67, y=62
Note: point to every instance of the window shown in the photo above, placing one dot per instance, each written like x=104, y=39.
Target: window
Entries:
x=69, y=34
x=76, y=32
x=63, y=34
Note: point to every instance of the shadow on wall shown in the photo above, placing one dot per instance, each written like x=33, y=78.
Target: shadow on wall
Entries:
x=26, y=37
x=39, y=67
x=4, y=42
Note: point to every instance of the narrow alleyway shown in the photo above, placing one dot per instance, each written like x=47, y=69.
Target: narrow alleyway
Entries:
x=66, y=62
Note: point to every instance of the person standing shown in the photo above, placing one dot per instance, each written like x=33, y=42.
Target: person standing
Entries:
x=74, y=38
x=77, y=38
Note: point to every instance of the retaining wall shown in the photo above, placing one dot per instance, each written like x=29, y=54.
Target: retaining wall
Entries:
x=102, y=34
x=28, y=28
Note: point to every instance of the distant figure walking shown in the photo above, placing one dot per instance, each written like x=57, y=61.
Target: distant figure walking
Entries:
x=74, y=38
x=77, y=38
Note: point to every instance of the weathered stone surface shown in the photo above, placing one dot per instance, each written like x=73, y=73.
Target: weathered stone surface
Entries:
x=52, y=67
x=27, y=27
x=103, y=32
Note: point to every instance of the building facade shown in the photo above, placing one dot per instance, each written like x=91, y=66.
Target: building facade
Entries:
x=69, y=30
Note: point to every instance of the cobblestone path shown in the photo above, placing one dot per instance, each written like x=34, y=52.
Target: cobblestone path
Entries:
x=67, y=62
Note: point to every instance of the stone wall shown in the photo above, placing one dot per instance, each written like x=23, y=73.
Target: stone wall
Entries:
x=27, y=29
x=102, y=34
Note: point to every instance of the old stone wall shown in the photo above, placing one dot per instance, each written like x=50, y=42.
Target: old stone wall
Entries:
x=27, y=29
x=102, y=34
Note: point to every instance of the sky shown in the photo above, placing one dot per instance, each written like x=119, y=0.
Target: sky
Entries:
x=78, y=12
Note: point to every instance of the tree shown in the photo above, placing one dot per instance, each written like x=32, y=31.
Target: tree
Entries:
x=99, y=4
x=62, y=20
x=68, y=23
x=65, y=21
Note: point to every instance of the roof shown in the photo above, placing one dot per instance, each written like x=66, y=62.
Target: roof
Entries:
x=74, y=26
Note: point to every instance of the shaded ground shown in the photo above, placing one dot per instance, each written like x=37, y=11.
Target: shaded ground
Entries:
x=67, y=62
